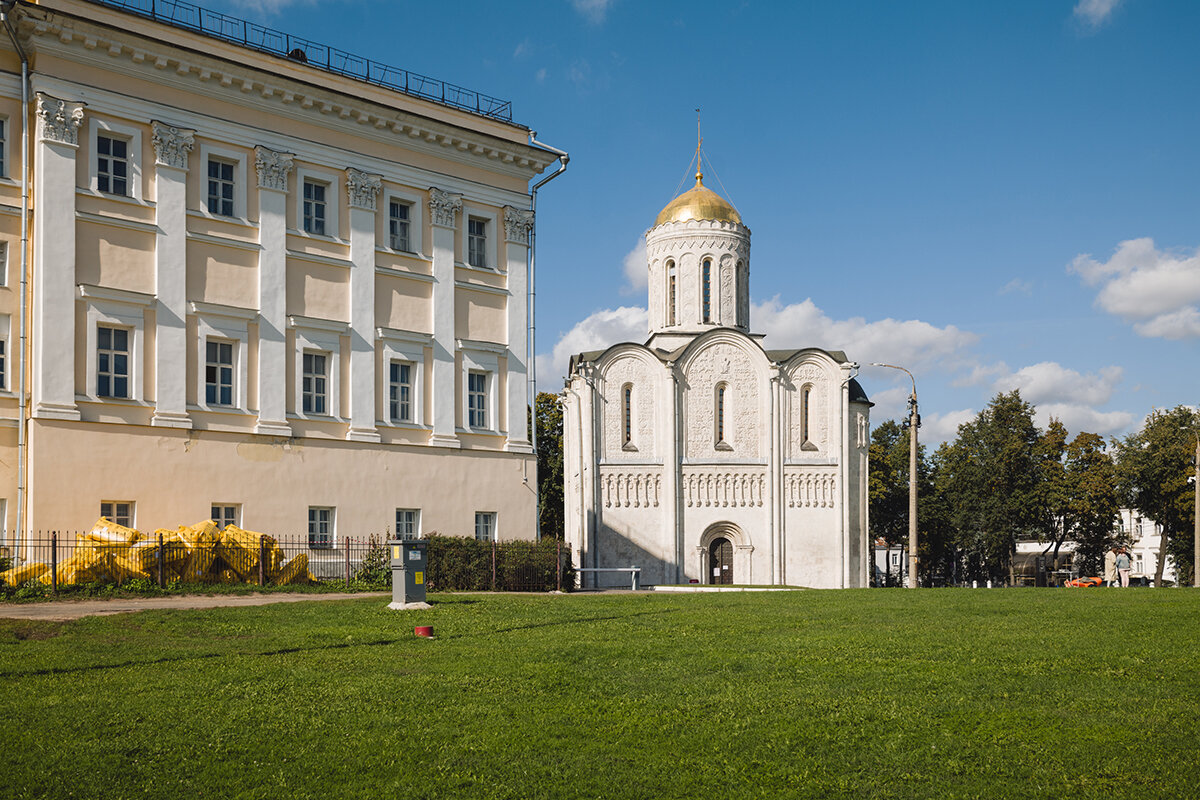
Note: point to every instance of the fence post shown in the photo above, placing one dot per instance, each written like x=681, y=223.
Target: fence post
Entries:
x=262, y=559
x=54, y=562
x=161, y=584
x=558, y=565
x=347, y=562
x=493, y=565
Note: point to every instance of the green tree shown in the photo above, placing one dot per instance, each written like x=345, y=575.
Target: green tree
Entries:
x=991, y=480
x=1153, y=466
x=1053, y=491
x=550, y=465
x=1093, y=501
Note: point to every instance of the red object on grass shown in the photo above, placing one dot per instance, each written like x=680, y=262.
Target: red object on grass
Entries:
x=1084, y=583
x=424, y=630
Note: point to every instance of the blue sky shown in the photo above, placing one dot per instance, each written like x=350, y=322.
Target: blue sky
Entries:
x=995, y=195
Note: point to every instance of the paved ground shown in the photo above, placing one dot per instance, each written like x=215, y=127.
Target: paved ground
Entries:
x=63, y=610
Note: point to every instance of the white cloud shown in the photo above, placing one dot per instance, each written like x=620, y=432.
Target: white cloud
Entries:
x=1095, y=12
x=592, y=10
x=1018, y=286
x=1078, y=418
x=1052, y=383
x=266, y=7
x=595, y=332
x=910, y=343
x=521, y=49
x=635, y=268
x=541, y=75
x=1159, y=292
x=937, y=428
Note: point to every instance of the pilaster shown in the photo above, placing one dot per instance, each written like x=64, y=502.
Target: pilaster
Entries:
x=518, y=223
x=363, y=192
x=54, y=258
x=273, y=169
x=444, y=208
x=171, y=148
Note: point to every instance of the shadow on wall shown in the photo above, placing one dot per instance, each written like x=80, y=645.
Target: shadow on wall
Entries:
x=616, y=548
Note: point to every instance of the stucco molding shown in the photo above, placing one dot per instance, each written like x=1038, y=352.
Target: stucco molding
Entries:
x=518, y=222
x=362, y=189
x=444, y=207
x=172, y=144
x=273, y=168
x=59, y=120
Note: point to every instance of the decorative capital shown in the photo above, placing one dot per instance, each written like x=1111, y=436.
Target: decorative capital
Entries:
x=172, y=145
x=443, y=207
x=363, y=188
x=273, y=168
x=59, y=120
x=518, y=222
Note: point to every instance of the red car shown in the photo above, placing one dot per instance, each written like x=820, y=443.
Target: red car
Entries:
x=1084, y=583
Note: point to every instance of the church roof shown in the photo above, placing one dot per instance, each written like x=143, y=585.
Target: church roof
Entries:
x=698, y=203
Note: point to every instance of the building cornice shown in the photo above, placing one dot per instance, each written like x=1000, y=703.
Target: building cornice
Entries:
x=172, y=64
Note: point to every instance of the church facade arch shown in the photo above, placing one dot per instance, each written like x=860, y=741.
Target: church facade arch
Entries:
x=734, y=360
x=629, y=383
x=740, y=551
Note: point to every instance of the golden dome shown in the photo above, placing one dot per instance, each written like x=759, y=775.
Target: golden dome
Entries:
x=698, y=203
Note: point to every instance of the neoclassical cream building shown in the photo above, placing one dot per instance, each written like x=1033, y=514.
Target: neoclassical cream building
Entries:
x=258, y=286
x=698, y=455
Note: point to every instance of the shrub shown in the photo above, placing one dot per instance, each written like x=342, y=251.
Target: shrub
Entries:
x=459, y=564
x=376, y=567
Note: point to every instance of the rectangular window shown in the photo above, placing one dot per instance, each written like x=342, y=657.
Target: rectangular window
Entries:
x=3, y=148
x=408, y=523
x=315, y=384
x=218, y=373
x=485, y=526
x=3, y=263
x=400, y=391
x=118, y=511
x=896, y=556
x=477, y=242
x=398, y=222
x=320, y=527
x=3, y=364
x=225, y=514
x=112, y=164
x=314, y=207
x=112, y=362
x=477, y=416
x=220, y=187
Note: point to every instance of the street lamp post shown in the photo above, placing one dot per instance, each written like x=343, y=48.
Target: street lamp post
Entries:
x=914, y=422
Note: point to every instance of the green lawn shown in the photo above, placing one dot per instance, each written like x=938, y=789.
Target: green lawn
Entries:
x=884, y=693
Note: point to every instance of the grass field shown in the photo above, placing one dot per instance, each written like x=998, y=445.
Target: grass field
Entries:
x=884, y=693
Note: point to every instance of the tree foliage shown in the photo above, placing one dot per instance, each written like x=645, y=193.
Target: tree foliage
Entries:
x=1153, y=469
x=550, y=465
x=1092, y=502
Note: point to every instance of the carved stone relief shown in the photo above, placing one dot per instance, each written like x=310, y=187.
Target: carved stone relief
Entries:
x=444, y=207
x=59, y=120
x=273, y=168
x=722, y=363
x=518, y=222
x=172, y=145
x=727, y=294
x=362, y=188
x=634, y=372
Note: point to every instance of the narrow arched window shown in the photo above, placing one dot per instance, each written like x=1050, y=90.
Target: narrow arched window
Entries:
x=805, y=398
x=627, y=415
x=720, y=410
x=707, y=291
x=738, y=292
x=670, y=292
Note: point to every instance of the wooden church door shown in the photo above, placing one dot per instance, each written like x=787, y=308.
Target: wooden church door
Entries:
x=720, y=561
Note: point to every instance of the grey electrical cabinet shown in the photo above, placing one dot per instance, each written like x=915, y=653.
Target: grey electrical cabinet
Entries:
x=408, y=570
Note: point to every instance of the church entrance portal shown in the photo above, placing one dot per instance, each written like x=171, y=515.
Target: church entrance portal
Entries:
x=720, y=561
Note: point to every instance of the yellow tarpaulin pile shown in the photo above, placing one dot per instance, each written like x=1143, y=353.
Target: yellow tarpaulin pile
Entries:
x=200, y=553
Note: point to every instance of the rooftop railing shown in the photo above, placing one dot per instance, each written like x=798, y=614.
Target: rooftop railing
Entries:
x=278, y=43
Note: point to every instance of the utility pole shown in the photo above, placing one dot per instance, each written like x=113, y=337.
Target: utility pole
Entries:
x=914, y=422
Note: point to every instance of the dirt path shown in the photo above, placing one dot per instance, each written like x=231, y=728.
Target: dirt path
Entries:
x=63, y=610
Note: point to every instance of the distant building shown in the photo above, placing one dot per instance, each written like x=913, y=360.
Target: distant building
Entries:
x=265, y=286
x=1147, y=542
x=700, y=456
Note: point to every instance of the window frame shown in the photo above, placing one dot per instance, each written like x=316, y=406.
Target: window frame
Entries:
x=475, y=358
x=223, y=323
x=628, y=421
x=721, y=415
x=111, y=374
x=5, y=249
x=491, y=527
x=672, y=293
x=323, y=376
x=220, y=342
x=131, y=517
x=211, y=152
x=5, y=131
x=318, y=336
x=393, y=204
x=396, y=367
x=333, y=185
x=481, y=239
x=415, y=522
x=397, y=345
x=222, y=520
x=112, y=129
x=116, y=308
x=477, y=399
x=330, y=540
x=491, y=253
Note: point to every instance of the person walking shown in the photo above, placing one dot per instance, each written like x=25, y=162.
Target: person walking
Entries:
x=1110, y=566
x=1123, y=564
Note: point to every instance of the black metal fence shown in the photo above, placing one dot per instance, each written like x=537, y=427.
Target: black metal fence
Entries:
x=268, y=40
x=203, y=554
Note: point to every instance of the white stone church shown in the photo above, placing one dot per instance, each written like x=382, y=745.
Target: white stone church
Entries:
x=701, y=457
